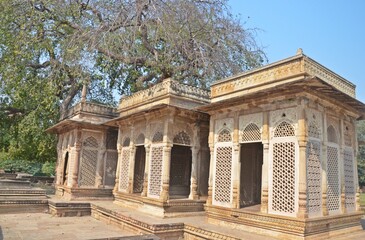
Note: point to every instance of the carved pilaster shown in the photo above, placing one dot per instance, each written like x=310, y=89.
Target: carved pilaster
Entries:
x=210, y=182
x=324, y=167
x=341, y=166
x=302, y=141
x=146, y=170
x=194, y=174
x=265, y=165
x=166, y=173
x=236, y=175
x=78, y=145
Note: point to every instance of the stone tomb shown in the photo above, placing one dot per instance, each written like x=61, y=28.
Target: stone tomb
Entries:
x=283, y=150
x=87, y=152
x=272, y=150
x=163, y=150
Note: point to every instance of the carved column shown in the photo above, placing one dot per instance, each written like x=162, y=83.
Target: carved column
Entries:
x=119, y=149
x=78, y=144
x=132, y=155
x=324, y=166
x=146, y=170
x=166, y=172
x=341, y=166
x=236, y=165
x=194, y=173
x=211, y=148
x=59, y=162
x=265, y=165
x=302, y=140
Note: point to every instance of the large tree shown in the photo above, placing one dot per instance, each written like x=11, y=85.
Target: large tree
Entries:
x=50, y=48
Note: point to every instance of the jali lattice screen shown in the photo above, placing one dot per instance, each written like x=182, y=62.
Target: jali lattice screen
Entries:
x=349, y=179
x=283, y=177
x=88, y=162
x=333, y=182
x=314, y=178
x=223, y=170
x=251, y=133
x=155, y=176
x=124, y=168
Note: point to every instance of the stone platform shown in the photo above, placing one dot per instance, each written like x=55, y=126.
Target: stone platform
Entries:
x=172, y=208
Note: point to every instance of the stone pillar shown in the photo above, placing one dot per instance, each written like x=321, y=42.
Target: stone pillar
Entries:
x=132, y=155
x=324, y=165
x=59, y=161
x=146, y=171
x=211, y=174
x=341, y=168
x=194, y=173
x=302, y=140
x=236, y=165
x=166, y=172
x=100, y=162
x=236, y=169
x=78, y=144
x=265, y=165
x=119, y=149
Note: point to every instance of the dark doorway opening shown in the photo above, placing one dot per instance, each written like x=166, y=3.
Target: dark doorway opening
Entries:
x=251, y=172
x=65, y=170
x=180, y=172
x=139, y=165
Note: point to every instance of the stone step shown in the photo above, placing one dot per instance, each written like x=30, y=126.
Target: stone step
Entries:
x=69, y=209
x=22, y=194
x=12, y=183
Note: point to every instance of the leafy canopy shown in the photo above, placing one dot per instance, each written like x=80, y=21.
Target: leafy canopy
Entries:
x=50, y=48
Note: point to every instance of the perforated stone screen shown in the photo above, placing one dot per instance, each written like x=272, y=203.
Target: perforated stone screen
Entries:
x=333, y=182
x=88, y=162
x=91, y=142
x=157, y=138
x=224, y=136
x=347, y=136
x=283, y=186
x=251, y=133
x=182, y=138
x=349, y=180
x=314, y=178
x=124, y=168
x=223, y=170
x=313, y=131
x=284, y=129
x=155, y=176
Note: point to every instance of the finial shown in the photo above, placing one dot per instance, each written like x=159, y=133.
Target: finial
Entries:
x=299, y=51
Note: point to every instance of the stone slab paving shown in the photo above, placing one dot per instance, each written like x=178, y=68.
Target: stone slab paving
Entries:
x=43, y=226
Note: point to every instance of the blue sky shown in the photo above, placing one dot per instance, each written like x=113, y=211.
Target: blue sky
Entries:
x=332, y=32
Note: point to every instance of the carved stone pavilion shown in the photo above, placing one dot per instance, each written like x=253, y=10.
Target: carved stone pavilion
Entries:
x=272, y=150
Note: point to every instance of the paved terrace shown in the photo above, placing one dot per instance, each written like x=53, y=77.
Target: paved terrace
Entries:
x=46, y=226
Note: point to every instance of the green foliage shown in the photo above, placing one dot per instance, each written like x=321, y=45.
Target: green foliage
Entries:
x=21, y=166
x=361, y=153
x=49, y=168
x=50, y=48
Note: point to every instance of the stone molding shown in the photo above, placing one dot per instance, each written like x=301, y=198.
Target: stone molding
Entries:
x=270, y=75
x=165, y=88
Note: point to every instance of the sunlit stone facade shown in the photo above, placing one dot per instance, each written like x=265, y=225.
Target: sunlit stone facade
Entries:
x=273, y=149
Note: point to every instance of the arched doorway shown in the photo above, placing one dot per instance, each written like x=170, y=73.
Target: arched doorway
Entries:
x=180, y=167
x=65, y=170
